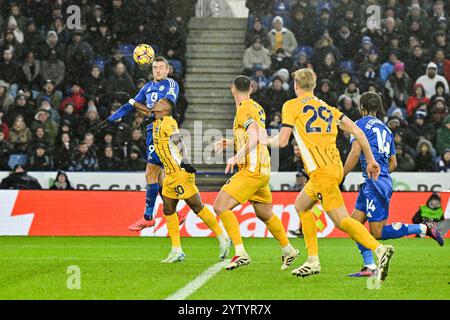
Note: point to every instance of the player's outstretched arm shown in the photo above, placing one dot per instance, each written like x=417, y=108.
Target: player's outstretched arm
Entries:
x=373, y=168
x=281, y=140
x=352, y=158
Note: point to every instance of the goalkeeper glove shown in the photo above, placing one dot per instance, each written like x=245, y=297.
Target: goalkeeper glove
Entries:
x=101, y=125
x=188, y=167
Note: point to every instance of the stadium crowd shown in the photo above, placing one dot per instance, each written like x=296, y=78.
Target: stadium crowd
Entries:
x=57, y=82
x=405, y=57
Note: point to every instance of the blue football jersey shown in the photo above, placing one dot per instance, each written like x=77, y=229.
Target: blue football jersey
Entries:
x=155, y=91
x=381, y=142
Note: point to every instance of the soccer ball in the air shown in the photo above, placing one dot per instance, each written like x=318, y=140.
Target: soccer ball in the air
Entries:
x=143, y=54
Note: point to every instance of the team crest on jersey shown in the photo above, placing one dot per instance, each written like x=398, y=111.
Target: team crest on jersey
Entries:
x=161, y=88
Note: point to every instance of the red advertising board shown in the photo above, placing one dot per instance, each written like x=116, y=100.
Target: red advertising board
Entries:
x=108, y=213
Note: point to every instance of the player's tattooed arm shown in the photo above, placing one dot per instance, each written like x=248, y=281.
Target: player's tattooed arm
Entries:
x=353, y=158
x=373, y=168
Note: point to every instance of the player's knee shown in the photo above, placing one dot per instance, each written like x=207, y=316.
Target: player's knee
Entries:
x=376, y=234
x=151, y=176
x=168, y=210
x=197, y=208
x=218, y=208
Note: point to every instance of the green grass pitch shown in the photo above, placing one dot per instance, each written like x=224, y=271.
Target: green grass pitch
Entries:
x=130, y=268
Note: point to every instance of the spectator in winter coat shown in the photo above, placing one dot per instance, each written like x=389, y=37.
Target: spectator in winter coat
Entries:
x=404, y=161
x=429, y=80
x=40, y=161
x=418, y=97
x=443, y=136
x=397, y=86
x=281, y=37
x=109, y=162
x=6, y=100
x=20, y=180
x=256, y=55
x=76, y=98
x=53, y=69
x=424, y=157
x=419, y=129
x=61, y=182
x=63, y=151
x=29, y=74
x=433, y=211
x=443, y=162
x=83, y=160
x=42, y=118
x=49, y=94
x=120, y=81
x=9, y=70
x=135, y=162
x=51, y=45
x=19, y=135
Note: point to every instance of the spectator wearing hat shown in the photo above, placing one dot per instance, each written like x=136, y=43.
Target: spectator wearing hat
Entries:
x=32, y=37
x=49, y=94
x=61, y=182
x=280, y=60
x=91, y=118
x=419, y=129
x=283, y=74
x=13, y=27
x=103, y=40
x=109, y=161
x=83, y=160
x=19, y=179
x=280, y=37
x=256, y=55
x=430, y=79
x=397, y=86
x=135, y=161
x=424, y=158
x=440, y=93
x=51, y=43
x=6, y=100
x=40, y=161
x=326, y=92
x=42, y=118
x=443, y=162
x=275, y=97
x=21, y=107
x=433, y=211
x=443, y=136
x=29, y=74
x=418, y=97
x=257, y=31
x=79, y=55
x=76, y=98
x=53, y=69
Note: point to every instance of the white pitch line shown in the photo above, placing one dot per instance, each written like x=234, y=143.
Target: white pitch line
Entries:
x=198, y=282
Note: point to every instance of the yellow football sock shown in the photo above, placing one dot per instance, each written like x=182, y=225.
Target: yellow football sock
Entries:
x=277, y=230
x=309, y=229
x=173, y=228
x=210, y=220
x=358, y=233
x=231, y=224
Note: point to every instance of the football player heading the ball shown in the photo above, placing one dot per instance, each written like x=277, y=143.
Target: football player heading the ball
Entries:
x=162, y=88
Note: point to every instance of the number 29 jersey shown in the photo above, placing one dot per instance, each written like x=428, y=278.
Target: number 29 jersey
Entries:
x=381, y=141
x=314, y=124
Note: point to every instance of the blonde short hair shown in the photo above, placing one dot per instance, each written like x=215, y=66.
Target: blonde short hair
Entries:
x=305, y=78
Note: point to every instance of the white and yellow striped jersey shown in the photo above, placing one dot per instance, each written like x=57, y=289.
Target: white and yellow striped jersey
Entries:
x=314, y=125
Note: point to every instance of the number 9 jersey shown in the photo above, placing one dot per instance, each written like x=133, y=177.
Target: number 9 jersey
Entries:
x=314, y=124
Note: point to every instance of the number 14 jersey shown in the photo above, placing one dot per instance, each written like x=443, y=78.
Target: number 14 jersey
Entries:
x=314, y=124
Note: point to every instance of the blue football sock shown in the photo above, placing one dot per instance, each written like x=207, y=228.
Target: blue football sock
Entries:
x=394, y=231
x=414, y=229
x=366, y=254
x=150, y=199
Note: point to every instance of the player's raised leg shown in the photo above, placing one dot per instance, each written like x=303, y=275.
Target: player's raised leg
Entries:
x=202, y=211
x=275, y=226
x=173, y=228
x=223, y=207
